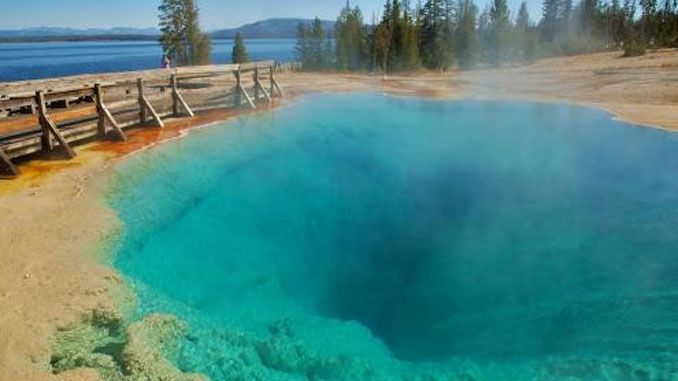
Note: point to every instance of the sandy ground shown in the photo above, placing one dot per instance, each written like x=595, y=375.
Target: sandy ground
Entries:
x=45, y=280
x=53, y=220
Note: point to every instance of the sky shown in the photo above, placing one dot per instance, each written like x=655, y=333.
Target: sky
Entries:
x=215, y=14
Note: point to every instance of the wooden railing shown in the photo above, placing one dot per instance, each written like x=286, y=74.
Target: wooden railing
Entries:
x=49, y=116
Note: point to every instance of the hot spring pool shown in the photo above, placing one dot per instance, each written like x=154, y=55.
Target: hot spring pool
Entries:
x=369, y=237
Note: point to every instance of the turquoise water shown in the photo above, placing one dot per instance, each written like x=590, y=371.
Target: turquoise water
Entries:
x=371, y=237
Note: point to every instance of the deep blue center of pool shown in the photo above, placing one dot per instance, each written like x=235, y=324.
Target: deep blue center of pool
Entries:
x=493, y=232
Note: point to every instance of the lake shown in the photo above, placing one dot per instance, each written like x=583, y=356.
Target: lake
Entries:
x=369, y=237
x=45, y=60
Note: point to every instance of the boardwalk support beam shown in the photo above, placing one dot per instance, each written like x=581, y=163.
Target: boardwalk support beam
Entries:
x=108, y=99
x=50, y=130
x=106, y=116
x=240, y=92
x=145, y=105
x=178, y=99
x=259, y=87
x=155, y=115
x=274, y=83
x=9, y=167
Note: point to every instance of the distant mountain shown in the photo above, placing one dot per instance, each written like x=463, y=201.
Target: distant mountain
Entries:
x=272, y=28
x=70, y=32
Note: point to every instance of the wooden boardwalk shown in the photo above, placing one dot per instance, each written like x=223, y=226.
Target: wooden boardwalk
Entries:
x=47, y=117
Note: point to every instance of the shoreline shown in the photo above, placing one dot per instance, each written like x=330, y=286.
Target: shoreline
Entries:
x=53, y=222
x=60, y=205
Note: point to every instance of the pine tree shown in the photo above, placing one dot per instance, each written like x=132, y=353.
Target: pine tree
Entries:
x=397, y=36
x=589, y=14
x=181, y=37
x=521, y=32
x=549, y=21
x=350, y=39
x=564, y=30
x=435, y=36
x=468, y=48
x=410, y=49
x=628, y=14
x=302, y=48
x=522, y=20
x=648, y=21
x=564, y=15
x=327, y=53
x=665, y=27
x=317, y=55
x=499, y=32
x=311, y=47
x=239, y=54
x=527, y=38
x=614, y=21
x=669, y=24
x=485, y=33
x=382, y=45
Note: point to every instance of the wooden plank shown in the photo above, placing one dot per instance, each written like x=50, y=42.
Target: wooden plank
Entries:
x=79, y=82
x=10, y=168
x=68, y=94
x=155, y=115
x=50, y=93
x=253, y=65
x=15, y=103
x=73, y=113
x=13, y=125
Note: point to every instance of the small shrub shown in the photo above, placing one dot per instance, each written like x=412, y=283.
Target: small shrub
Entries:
x=634, y=48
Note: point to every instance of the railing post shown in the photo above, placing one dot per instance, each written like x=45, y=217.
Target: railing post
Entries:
x=175, y=98
x=238, y=99
x=142, y=106
x=271, y=70
x=274, y=84
x=47, y=142
x=101, y=125
x=256, y=84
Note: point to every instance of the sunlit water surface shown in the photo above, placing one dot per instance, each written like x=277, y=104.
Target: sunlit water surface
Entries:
x=45, y=60
x=368, y=237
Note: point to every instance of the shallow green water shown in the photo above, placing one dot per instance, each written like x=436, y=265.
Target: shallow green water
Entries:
x=369, y=237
